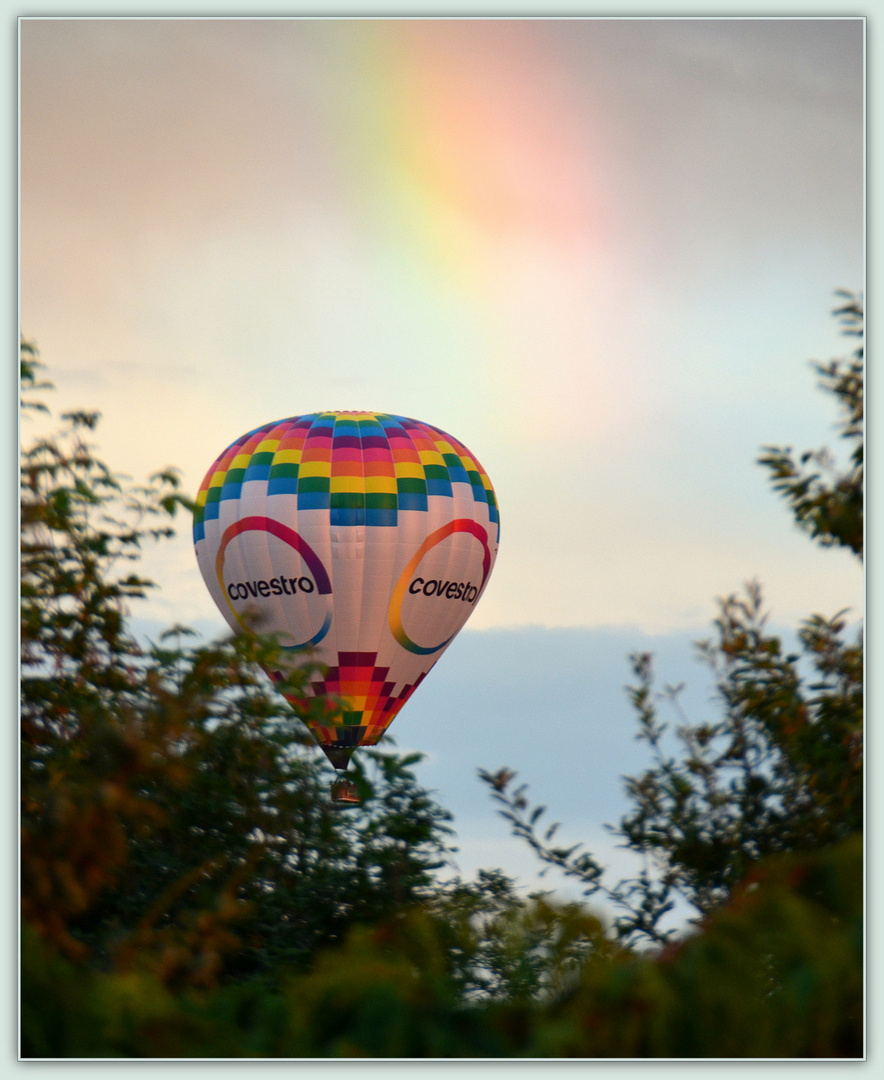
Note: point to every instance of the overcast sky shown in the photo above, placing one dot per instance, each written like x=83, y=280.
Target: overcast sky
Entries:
x=600, y=253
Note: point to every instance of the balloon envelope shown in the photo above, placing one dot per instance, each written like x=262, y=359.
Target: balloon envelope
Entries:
x=365, y=536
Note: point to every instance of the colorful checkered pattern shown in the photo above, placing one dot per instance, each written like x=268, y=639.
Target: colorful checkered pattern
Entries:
x=370, y=704
x=364, y=468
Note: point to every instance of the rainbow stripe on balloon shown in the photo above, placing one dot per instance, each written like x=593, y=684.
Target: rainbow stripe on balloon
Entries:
x=363, y=467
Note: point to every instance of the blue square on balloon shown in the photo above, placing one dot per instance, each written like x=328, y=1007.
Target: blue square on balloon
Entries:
x=380, y=517
x=412, y=500
x=283, y=485
x=438, y=487
x=347, y=515
x=313, y=500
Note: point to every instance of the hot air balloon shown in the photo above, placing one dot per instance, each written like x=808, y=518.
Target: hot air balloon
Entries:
x=366, y=537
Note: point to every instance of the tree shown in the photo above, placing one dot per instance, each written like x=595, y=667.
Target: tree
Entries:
x=828, y=503
x=174, y=808
x=780, y=770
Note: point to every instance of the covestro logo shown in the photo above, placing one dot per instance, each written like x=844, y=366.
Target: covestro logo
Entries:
x=278, y=586
x=435, y=592
x=314, y=620
x=451, y=590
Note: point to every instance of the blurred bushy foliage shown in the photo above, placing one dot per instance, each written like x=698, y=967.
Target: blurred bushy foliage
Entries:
x=188, y=890
x=775, y=973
